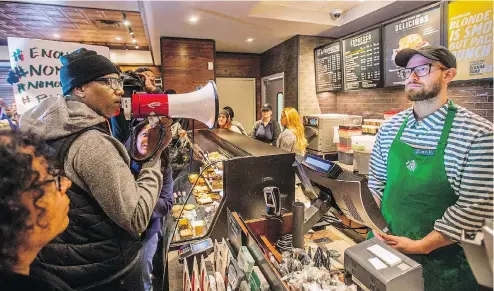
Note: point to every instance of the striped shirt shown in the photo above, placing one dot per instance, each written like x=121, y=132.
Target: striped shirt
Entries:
x=468, y=162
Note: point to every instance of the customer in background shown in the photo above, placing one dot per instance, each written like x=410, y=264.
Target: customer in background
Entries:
x=7, y=116
x=234, y=122
x=292, y=139
x=224, y=121
x=162, y=208
x=267, y=129
x=100, y=250
x=33, y=211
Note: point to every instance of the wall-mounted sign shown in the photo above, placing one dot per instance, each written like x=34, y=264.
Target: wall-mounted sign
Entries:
x=35, y=68
x=415, y=31
x=362, y=61
x=470, y=38
x=327, y=61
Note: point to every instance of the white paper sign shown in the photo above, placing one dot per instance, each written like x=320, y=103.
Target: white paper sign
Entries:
x=35, y=68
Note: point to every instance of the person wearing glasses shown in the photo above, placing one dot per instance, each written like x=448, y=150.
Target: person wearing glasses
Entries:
x=431, y=171
x=100, y=250
x=33, y=207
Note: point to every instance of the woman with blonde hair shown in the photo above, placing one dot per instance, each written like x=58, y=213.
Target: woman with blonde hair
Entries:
x=292, y=138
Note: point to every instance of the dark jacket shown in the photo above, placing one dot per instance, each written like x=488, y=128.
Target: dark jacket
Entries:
x=165, y=201
x=40, y=281
x=268, y=134
x=108, y=207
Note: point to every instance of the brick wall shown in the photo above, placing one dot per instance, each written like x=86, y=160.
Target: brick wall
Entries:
x=308, y=102
x=283, y=58
x=473, y=95
x=239, y=65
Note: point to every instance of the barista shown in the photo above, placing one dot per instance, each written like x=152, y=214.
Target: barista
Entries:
x=431, y=171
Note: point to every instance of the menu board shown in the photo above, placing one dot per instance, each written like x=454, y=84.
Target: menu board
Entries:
x=415, y=31
x=327, y=61
x=362, y=61
x=470, y=38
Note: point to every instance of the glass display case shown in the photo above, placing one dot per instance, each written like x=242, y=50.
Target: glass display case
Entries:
x=233, y=173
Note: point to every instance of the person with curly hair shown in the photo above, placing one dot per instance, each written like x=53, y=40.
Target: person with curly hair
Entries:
x=33, y=211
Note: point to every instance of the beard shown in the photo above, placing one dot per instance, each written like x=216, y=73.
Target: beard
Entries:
x=423, y=94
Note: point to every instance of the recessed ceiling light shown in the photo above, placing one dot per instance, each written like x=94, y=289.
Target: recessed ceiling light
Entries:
x=193, y=19
x=134, y=40
x=126, y=22
x=118, y=38
x=131, y=33
x=137, y=46
x=56, y=35
x=250, y=39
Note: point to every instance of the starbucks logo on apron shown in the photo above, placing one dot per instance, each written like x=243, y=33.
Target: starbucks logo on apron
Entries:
x=411, y=165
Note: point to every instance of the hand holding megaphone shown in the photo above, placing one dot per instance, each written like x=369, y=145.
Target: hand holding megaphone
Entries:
x=201, y=105
x=148, y=139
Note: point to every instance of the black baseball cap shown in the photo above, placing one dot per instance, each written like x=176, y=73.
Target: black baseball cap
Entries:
x=267, y=107
x=433, y=52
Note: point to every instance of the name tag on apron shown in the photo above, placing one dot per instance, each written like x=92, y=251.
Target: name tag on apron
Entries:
x=424, y=152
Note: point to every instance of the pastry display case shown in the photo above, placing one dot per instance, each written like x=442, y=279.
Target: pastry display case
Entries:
x=232, y=174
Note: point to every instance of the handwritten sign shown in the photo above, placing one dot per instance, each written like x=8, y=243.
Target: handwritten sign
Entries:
x=470, y=38
x=35, y=68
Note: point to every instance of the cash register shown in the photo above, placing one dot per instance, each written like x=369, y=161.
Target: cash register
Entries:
x=372, y=264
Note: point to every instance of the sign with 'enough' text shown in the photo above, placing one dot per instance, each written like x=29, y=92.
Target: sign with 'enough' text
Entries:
x=35, y=68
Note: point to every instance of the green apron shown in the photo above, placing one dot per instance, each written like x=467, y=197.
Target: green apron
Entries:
x=417, y=193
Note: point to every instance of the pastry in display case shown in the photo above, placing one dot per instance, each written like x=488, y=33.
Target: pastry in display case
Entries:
x=226, y=171
x=197, y=213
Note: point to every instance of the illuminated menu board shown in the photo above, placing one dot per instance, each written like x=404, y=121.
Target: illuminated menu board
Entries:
x=415, y=31
x=327, y=60
x=362, y=61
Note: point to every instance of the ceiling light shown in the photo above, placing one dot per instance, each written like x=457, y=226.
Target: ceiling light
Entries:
x=134, y=40
x=126, y=22
x=56, y=35
x=118, y=38
x=131, y=33
x=250, y=39
x=193, y=19
x=137, y=46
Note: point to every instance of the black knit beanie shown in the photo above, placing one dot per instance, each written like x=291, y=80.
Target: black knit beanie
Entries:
x=83, y=66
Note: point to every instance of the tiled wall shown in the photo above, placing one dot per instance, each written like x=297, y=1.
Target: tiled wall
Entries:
x=283, y=58
x=473, y=95
x=308, y=102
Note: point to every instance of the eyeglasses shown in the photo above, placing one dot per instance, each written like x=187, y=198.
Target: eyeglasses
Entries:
x=114, y=83
x=420, y=71
x=57, y=179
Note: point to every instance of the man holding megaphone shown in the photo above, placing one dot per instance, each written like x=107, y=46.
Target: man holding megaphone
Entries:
x=108, y=207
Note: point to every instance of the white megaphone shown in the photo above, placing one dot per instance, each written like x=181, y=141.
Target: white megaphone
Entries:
x=201, y=105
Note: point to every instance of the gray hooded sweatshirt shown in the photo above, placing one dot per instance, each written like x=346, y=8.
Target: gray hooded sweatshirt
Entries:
x=98, y=163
